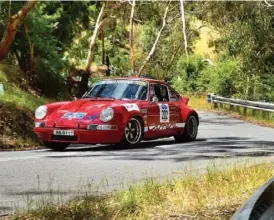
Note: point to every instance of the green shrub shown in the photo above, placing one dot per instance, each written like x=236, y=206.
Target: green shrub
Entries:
x=195, y=75
x=220, y=78
x=187, y=73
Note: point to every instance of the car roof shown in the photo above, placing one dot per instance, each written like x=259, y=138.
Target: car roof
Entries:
x=138, y=78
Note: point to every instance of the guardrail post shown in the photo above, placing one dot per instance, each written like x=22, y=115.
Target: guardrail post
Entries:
x=245, y=111
x=210, y=98
x=235, y=108
x=264, y=114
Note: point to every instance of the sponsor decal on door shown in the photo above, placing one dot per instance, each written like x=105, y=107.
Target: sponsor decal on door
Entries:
x=164, y=113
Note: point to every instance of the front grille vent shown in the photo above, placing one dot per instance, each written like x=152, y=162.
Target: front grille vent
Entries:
x=64, y=138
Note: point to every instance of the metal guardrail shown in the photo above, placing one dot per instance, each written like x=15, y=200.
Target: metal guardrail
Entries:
x=263, y=106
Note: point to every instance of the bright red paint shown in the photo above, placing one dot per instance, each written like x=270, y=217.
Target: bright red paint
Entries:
x=149, y=113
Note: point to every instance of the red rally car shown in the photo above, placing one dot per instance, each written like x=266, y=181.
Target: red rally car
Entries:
x=121, y=111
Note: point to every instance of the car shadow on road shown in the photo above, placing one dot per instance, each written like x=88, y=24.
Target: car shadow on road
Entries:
x=143, y=145
x=168, y=149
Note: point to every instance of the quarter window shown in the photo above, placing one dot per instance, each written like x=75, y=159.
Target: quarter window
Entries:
x=172, y=95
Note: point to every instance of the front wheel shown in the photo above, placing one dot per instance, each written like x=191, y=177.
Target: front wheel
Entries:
x=133, y=133
x=190, y=130
x=56, y=146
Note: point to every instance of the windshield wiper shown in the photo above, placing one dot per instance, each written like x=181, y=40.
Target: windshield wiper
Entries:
x=100, y=97
x=107, y=98
x=93, y=97
x=89, y=97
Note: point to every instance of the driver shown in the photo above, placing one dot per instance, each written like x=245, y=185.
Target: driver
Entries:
x=164, y=93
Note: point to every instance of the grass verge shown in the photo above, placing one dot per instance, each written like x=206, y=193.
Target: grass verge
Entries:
x=262, y=118
x=17, y=105
x=215, y=195
x=199, y=102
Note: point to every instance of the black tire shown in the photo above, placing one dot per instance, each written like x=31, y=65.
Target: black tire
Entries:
x=56, y=146
x=133, y=133
x=190, y=130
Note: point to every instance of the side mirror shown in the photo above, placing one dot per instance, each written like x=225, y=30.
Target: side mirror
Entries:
x=185, y=100
x=154, y=99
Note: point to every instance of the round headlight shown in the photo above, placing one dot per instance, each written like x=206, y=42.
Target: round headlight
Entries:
x=41, y=112
x=107, y=114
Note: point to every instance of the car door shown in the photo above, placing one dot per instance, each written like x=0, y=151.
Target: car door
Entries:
x=152, y=115
x=175, y=102
x=162, y=114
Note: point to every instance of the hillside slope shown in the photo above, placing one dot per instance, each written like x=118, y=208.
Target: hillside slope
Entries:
x=17, y=105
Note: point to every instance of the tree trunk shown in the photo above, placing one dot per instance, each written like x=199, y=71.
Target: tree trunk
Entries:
x=269, y=5
x=31, y=52
x=11, y=28
x=98, y=27
x=21, y=60
x=152, y=51
x=103, y=47
x=184, y=25
x=83, y=84
x=131, y=38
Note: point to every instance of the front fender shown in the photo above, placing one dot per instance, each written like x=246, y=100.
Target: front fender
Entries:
x=52, y=107
x=126, y=114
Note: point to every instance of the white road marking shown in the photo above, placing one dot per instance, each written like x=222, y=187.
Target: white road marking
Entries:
x=36, y=157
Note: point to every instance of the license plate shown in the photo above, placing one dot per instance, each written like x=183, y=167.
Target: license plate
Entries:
x=64, y=132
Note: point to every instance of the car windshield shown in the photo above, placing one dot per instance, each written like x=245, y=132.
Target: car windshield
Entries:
x=119, y=89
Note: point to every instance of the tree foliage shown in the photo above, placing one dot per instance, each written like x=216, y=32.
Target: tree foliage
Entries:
x=53, y=42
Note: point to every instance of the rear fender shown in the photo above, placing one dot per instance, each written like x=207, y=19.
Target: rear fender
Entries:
x=186, y=113
x=193, y=113
x=185, y=100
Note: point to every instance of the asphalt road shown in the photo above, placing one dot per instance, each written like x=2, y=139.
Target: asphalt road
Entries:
x=44, y=175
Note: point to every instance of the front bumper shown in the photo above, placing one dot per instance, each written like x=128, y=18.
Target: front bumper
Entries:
x=81, y=136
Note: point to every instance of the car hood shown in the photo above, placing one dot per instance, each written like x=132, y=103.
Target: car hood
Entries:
x=86, y=105
x=83, y=106
x=85, y=111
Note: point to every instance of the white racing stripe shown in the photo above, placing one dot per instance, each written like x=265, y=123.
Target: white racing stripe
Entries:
x=177, y=125
x=180, y=125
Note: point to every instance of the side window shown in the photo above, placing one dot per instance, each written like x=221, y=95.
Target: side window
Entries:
x=161, y=92
x=172, y=95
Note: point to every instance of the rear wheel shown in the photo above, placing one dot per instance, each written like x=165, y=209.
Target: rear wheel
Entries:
x=190, y=130
x=133, y=133
x=56, y=146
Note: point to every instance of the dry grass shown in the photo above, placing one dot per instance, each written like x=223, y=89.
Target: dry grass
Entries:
x=215, y=195
x=262, y=118
x=199, y=102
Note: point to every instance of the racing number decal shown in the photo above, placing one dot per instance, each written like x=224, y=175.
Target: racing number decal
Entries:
x=164, y=113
